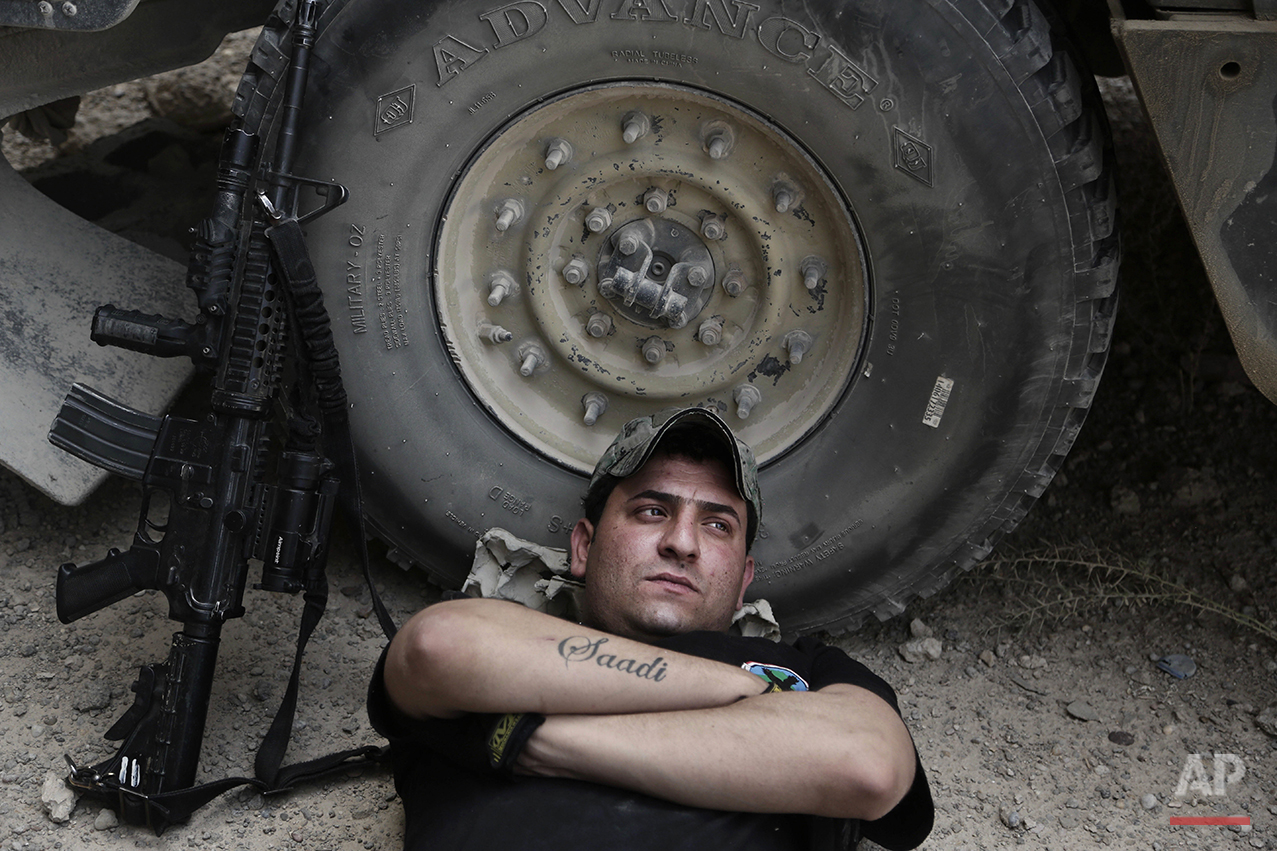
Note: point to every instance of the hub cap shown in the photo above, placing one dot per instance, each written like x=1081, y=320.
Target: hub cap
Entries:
x=627, y=248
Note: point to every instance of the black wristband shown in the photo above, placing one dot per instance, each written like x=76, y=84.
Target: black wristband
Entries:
x=508, y=736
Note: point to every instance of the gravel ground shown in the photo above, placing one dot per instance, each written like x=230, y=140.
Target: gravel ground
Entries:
x=1037, y=706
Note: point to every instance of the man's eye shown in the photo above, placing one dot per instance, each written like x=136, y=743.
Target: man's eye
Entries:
x=652, y=511
x=721, y=525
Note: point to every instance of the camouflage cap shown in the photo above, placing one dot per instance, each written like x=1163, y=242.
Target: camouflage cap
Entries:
x=640, y=437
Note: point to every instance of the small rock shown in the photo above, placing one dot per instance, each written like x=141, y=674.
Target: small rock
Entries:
x=106, y=820
x=1149, y=801
x=1073, y=803
x=1177, y=665
x=1032, y=662
x=58, y=799
x=1267, y=720
x=921, y=650
x=1068, y=822
x=987, y=658
x=1124, y=500
x=1199, y=491
x=918, y=629
x=1082, y=711
x=1121, y=737
x=95, y=695
x=1238, y=583
x=1011, y=818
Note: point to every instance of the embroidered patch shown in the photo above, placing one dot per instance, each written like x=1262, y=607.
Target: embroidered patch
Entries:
x=782, y=679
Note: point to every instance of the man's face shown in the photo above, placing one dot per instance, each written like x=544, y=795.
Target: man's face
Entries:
x=668, y=554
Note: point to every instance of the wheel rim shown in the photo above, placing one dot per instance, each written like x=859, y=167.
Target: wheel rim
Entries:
x=630, y=247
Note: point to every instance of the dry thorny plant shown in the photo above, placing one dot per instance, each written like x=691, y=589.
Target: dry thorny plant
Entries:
x=1051, y=583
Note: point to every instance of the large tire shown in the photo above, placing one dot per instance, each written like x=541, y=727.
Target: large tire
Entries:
x=948, y=164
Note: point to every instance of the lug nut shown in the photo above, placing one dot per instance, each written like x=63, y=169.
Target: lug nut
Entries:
x=656, y=199
x=713, y=227
x=653, y=349
x=599, y=325
x=813, y=270
x=557, y=153
x=746, y=397
x=500, y=286
x=627, y=244
x=798, y=343
x=599, y=220
x=595, y=404
x=711, y=331
x=734, y=283
x=784, y=198
x=719, y=141
x=509, y=212
x=493, y=333
x=697, y=276
x=634, y=126
x=532, y=358
x=576, y=271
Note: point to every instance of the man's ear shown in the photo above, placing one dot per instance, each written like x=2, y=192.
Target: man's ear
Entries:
x=747, y=578
x=582, y=537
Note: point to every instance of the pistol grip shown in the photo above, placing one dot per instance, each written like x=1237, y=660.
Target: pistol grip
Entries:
x=83, y=590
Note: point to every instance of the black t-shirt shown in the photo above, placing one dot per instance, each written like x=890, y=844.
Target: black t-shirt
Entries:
x=450, y=808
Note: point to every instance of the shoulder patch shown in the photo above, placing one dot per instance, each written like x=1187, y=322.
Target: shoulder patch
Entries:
x=783, y=679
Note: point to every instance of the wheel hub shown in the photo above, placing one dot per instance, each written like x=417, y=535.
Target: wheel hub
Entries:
x=656, y=272
x=630, y=247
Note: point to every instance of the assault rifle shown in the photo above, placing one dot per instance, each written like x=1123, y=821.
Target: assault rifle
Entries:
x=224, y=489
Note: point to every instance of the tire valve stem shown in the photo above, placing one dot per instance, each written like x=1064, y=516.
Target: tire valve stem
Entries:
x=532, y=358
x=493, y=333
x=656, y=199
x=599, y=220
x=501, y=286
x=576, y=271
x=710, y=333
x=595, y=404
x=746, y=397
x=599, y=325
x=653, y=349
x=557, y=153
x=797, y=343
x=734, y=283
x=634, y=126
x=813, y=271
x=509, y=212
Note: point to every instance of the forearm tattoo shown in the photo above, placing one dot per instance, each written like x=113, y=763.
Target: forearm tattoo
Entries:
x=579, y=648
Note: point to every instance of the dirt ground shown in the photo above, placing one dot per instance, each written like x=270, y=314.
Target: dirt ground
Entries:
x=1044, y=722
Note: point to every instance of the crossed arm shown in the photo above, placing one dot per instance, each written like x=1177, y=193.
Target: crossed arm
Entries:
x=627, y=714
